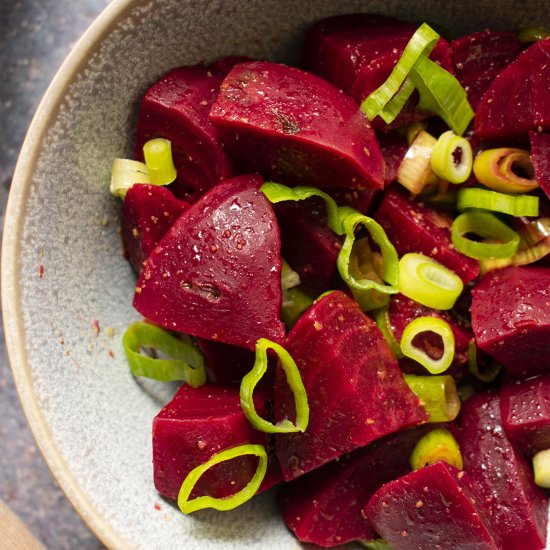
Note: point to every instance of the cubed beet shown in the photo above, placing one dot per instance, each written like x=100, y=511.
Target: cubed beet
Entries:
x=195, y=425
x=415, y=227
x=540, y=156
x=355, y=389
x=525, y=411
x=147, y=214
x=216, y=273
x=518, y=100
x=296, y=128
x=431, y=508
x=517, y=508
x=176, y=107
x=479, y=57
x=511, y=318
x=394, y=147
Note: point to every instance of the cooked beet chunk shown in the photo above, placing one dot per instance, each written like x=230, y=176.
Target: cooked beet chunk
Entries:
x=225, y=364
x=147, y=214
x=525, y=411
x=325, y=506
x=197, y=424
x=296, y=128
x=518, y=100
x=216, y=273
x=516, y=506
x=176, y=108
x=415, y=227
x=540, y=156
x=479, y=57
x=355, y=389
x=511, y=318
x=434, y=507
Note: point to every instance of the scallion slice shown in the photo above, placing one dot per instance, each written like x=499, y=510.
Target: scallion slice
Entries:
x=452, y=158
x=223, y=504
x=376, y=544
x=413, y=129
x=415, y=171
x=429, y=324
x=296, y=302
x=533, y=34
x=489, y=374
x=428, y=282
x=186, y=361
x=484, y=199
x=499, y=240
x=159, y=162
x=541, y=466
x=126, y=173
x=382, y=319
x=437, y=394
x=294, y=380
x=436, y=446
x=391, y=111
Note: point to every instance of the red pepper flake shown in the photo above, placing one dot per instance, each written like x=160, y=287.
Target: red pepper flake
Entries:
x=111, y=354
x=95, y=326
x=40, y=271
x=157, y=506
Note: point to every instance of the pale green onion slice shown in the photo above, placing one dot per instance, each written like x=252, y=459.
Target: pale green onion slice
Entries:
x=428, y=282
x=452, y=158
x=499, y=240
x=126, y=173
x=533, y=34
x=488, y=374
x=289, y=278
x=515, y=205
x=159, y=162
x=436, y=446
x=437, y=394
x=223, y=504
x=541, y=466
x=294, y=380
x=376, y=544
x=429, y=324
x=295, y=303
x=391, y=111
x=382, y=319
x=390, y=272
x=413, y=129
x=422, y=43
x=186, y=361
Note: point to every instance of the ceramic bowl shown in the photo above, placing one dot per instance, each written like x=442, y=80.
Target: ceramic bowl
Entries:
x=66, y=286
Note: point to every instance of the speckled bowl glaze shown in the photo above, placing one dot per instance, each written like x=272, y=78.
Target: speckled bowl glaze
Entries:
x=66, y=287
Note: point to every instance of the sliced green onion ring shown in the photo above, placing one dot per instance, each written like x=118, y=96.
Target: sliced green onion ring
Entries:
x=436, y=446
x=429, y=324
x=126, y=173
x=159, y=162
x=499, y=240
x=437, y=394
x=294, y=380
x=187, y=362
x=382, y=319
x=515, y=205
x=489, y=374
x=391, y=271
x=296, y=302
x=452, y=158
x=223, y=504
x=541, y=466
x=391, y=111
x=494, y=168
x=413, y=129
x=428, y=282
x=533, y=34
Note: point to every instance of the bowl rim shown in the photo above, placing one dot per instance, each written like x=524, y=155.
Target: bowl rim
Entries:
x=14, y=331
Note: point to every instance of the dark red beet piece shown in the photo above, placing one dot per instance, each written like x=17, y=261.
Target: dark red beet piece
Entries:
x=226, y=364
x=216, y=273
x=518, y=100
x=394, y=148
x=434, y=507
x=294, y=127
x=517, y=508
x=325, y=506
x=403, y=310
x=525, y=412
x=307, y=244
x=224, y=65
x=176, y=107
x=479, y=57
x=147, y=214
x=355, y=389
x=415, y=227
x=362, y=201
x=540, y=157
x=195, y=425
x=511, y=318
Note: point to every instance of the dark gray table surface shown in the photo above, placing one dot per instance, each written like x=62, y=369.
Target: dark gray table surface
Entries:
x=35, y=37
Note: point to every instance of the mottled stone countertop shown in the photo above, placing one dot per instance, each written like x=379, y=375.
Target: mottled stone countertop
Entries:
x=35, y=37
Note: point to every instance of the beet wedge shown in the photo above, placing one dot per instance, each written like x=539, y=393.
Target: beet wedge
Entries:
x=216, y=273
x=525, y=412
x=195, y=425
x=296, y=128
x=540, y=156
x=431, y=508
x=518, y=100
x=511, y=318
x=478, y=58
x=176, y=107
x=147, y=214
x=414, y=227
x=516, y=506
x=355, y=389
